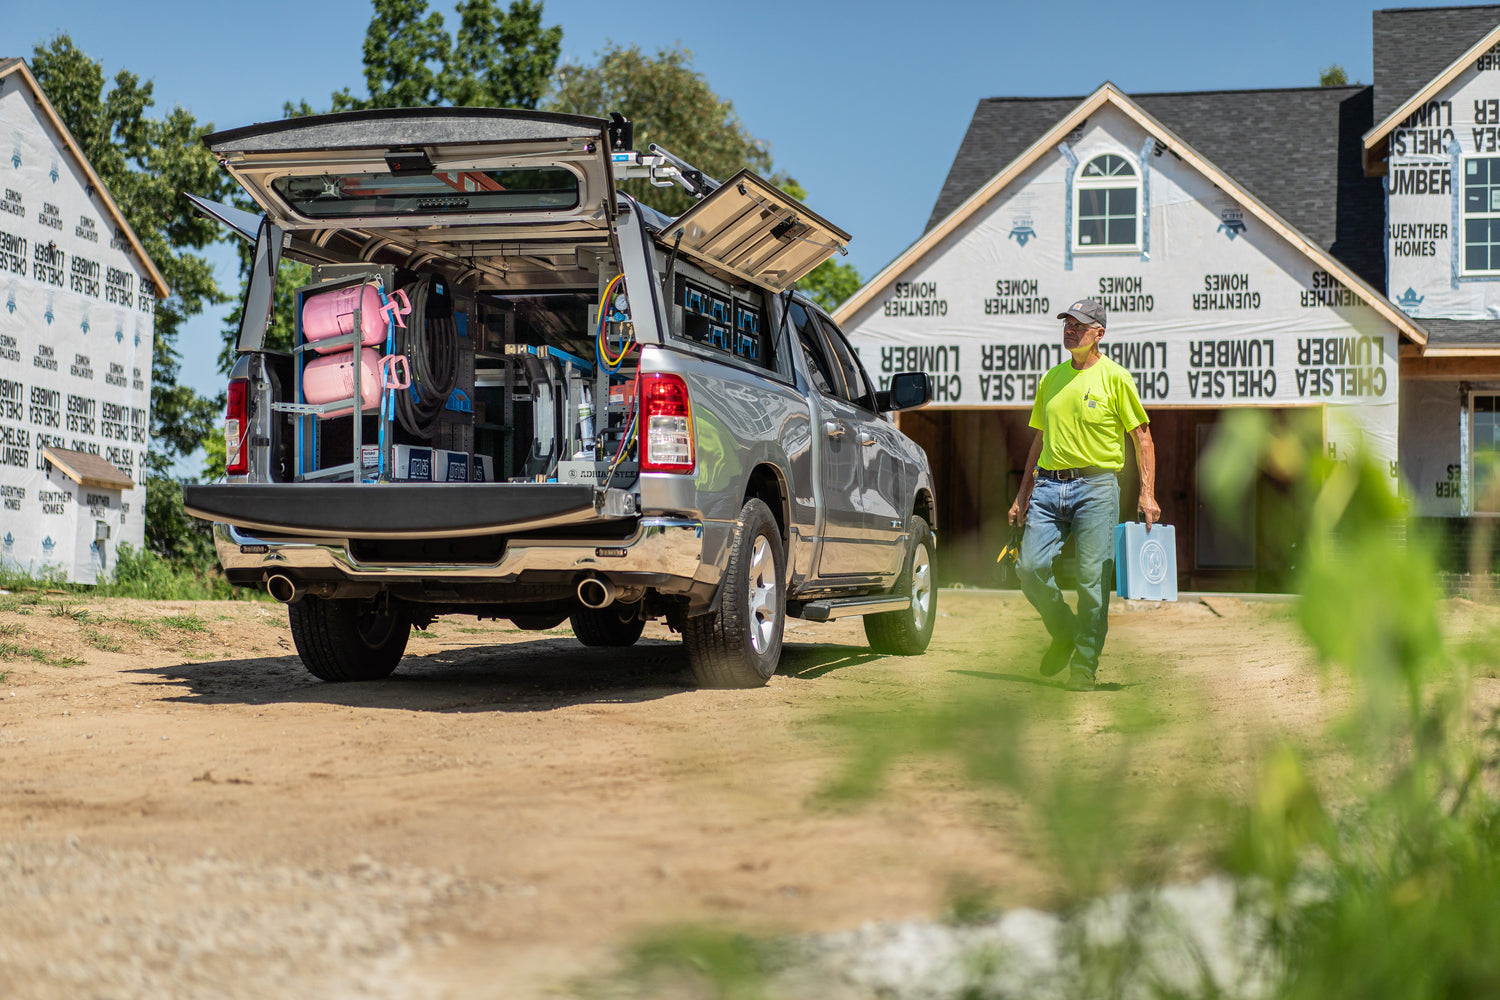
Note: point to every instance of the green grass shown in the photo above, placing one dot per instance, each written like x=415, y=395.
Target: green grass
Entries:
x=144, y=628
x=10, y=630
x=14, y=651
x=71, y=611
x=100, y=640
x=22, y=603
x=185, y=623
x=137, y=573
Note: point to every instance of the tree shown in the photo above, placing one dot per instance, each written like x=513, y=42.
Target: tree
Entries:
x=146, y=164
x=1333, y=75
x=671, y=104
x=501, y=60
x=830, y=283
x=497, y=59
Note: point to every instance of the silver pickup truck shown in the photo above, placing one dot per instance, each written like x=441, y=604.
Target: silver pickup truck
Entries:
x=513, y=391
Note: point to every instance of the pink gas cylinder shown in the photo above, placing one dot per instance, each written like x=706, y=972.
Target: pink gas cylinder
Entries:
x=331, y=377
x=332, y=314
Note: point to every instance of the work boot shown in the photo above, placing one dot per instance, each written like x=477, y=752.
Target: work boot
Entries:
x=1057, y=656
x=1080, y=680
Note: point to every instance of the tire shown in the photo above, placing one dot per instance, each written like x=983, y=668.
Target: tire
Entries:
x=907, y=633
x=348, y=640
x=615, y=625
x=739, y=645
x=538, y=623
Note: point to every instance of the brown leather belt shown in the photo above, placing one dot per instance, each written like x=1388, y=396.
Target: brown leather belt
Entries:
x=1064, y=475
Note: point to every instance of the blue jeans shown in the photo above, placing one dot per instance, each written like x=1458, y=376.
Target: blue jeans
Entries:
x=1088, y=509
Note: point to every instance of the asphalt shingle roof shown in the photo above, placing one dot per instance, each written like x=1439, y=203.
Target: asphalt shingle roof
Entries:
x=1461, y=332
x=1415, y=44
x=1297, y=150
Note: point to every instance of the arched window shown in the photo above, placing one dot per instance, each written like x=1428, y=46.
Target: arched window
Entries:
x=1106, y=210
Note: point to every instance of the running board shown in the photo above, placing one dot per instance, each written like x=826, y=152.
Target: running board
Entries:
x=844, y=607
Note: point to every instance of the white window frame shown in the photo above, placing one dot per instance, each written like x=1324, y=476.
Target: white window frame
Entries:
x=1464, y=215
x=1117, y=182
x=1477, y=480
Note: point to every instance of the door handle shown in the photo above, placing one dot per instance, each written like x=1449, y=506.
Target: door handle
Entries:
x=867, y=438
x=833, y=428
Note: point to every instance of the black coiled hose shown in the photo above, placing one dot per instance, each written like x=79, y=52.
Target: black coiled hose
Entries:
x=430, y=344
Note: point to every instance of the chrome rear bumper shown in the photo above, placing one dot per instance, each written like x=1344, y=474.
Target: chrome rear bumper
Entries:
x=670, y=549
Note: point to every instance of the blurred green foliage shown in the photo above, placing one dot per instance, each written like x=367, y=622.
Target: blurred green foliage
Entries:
x=1371, y=874
x=138, y=573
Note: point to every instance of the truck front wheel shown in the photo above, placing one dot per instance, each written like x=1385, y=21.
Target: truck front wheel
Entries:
x=907, y=633
x=345, y=639
x=739, y=645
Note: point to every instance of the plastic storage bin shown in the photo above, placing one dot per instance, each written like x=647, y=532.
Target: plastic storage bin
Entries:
x=1146, y=562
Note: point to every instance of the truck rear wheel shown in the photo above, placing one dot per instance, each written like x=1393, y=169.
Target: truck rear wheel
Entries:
x=739, y=645
x=907, y=633
x=614, y=625
x=348, y=640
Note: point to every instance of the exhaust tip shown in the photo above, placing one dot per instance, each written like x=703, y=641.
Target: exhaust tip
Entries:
x=595, y=593
x=284, y=589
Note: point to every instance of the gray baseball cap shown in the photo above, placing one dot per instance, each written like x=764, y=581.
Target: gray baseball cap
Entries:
x=1086, y=311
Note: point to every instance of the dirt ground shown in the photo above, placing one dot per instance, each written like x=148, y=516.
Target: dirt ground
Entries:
x=184, y=811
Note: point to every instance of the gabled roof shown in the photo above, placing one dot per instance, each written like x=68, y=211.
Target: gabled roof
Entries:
x=1412, y=45
x=1375, y=141
x=1461, y=337
x=1108, y=94
x=18, y=68
x=1298, y=150
x=87, y=469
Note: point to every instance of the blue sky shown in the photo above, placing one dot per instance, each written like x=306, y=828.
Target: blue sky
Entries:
x=864, y=103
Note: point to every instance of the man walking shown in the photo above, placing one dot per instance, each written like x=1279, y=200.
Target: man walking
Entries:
x=1084, y=408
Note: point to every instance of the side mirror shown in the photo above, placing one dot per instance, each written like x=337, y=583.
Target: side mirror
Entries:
x=908, y=391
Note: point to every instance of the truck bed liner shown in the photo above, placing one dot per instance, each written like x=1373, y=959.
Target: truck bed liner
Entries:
x=386, y=510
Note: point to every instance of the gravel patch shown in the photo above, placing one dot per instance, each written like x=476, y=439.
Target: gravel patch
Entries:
x=127, y=925
x=1196, y=940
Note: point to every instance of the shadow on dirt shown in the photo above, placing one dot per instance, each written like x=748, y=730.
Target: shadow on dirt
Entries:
x=533, y=675
x=810, y=662
x=1035, y=680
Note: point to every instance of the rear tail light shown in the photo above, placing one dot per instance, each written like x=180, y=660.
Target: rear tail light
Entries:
x=666, y=424
x=236, y=427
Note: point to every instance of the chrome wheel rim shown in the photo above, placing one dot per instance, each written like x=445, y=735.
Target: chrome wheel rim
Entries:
x=761, y=584
x=921, y=588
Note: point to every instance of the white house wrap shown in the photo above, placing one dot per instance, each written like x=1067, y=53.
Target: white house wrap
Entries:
x=77, y=301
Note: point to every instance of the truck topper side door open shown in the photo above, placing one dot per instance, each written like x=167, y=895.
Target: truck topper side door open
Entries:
x=752, y=230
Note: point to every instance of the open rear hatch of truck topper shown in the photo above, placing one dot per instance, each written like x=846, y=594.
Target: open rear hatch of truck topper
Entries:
x=397, y=510
x=473, y=184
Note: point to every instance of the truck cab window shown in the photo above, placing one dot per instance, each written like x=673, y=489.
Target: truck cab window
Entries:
x=854, y=376
x=812, y=350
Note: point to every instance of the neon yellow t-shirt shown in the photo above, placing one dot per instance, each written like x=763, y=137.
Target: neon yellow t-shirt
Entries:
x=1085, y=415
